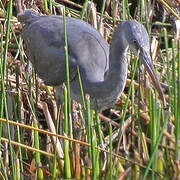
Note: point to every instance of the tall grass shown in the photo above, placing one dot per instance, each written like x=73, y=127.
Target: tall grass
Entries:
x=3, y=91
x=138, y=139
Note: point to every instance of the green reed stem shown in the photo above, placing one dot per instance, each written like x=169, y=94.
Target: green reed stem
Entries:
x=124, y=9
x=88, y=122
x=81, y=88
x=67, y=164
x=153, y=130
x=99, y=130
x=3, y=169
x=2, y=83
x=17, y=115
x=168, y=77
x=110, y=151
x=174, y=78
x=102, y=13
x=45, y=5
x=84, y=9
x=67, y=107
x=70, y=133
x=93, y=144
x=177, y=121
x=167, y=115
x=54, y=169
x=40, y=174
x=3, y=72
x=176, y=92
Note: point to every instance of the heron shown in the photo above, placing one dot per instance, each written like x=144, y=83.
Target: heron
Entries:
x=103, y=67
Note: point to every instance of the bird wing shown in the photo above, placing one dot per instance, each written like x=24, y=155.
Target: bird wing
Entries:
x=44, y=40
x=45, y=49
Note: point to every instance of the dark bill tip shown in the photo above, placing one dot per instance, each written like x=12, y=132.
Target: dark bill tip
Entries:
x=146, y=60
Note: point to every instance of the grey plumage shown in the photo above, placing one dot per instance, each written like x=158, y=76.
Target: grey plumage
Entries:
x=103, y=68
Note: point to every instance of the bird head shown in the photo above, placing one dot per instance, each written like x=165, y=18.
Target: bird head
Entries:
x=138, y=41
x=136, y=37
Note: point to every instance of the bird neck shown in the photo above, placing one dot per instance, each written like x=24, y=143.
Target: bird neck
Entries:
x=117, y=56
x=118, y=49
x=117, y=75
x=109, y=91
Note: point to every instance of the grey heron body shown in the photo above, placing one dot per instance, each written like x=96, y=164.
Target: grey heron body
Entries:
x=103, y=68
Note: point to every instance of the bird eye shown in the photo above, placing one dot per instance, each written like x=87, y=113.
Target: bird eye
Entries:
x=134, y=41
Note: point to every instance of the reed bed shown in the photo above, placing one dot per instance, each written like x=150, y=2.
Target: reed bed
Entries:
x=138, y=138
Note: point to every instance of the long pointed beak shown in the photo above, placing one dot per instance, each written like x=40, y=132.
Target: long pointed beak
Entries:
x=146, y=60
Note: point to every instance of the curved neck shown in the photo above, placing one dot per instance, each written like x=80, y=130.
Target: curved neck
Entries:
x=109, y=91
